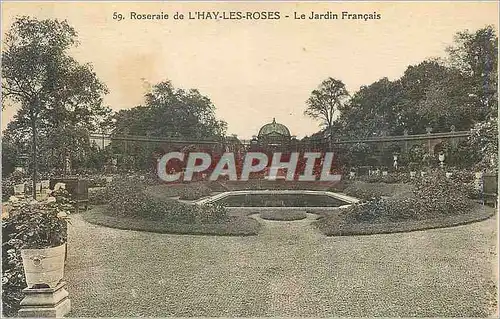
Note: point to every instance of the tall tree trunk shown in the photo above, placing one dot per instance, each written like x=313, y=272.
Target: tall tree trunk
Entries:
x=330, y=134
x=34, y=153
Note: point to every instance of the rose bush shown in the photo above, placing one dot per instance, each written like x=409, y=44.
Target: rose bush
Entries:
x=430, y=197
x=432, y=200
x=391, y=178
x=368, y=191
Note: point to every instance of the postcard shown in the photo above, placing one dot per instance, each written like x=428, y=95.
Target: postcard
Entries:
x=250, y=159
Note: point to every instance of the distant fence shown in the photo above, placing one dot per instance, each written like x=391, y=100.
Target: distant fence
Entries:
x=379, y=139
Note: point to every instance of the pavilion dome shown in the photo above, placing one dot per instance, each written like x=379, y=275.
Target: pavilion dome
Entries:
x=274, y=128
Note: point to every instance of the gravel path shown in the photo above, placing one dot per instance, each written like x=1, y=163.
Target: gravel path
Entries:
x=288, y=270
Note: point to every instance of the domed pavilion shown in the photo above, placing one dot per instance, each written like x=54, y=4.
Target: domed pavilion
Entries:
x=274, y=135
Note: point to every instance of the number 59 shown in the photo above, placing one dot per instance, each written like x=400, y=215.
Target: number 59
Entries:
x=117, y=16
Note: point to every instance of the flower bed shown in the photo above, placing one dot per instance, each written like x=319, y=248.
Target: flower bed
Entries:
x=97, y=182
x=97, y=197
x=129, y=206
x=185, y=191
x=433, y=202
x=392, y=178
x=262, y=184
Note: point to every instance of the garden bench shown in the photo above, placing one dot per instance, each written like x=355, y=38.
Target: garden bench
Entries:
x=78, y=189
x=490, y=189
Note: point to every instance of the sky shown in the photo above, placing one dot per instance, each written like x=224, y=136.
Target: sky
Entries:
x=254, y=70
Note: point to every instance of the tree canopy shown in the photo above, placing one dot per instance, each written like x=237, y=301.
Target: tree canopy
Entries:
x=458, y=91
x=171, y=112
x=325, y=102
x=59, y=99
x=167, y=113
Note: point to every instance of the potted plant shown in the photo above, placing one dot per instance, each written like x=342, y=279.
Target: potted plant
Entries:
x=38, y=229
x=385, y=171
x=413, y=169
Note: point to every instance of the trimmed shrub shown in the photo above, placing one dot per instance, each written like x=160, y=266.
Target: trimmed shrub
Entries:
x=7, y=190
x=392, y=178
x=97, y=182
x=283, y=215
x=185, y=191
x=460, y=180
x=128, y=198
x=431, y=197
x=98, y=197
x=368, y=191
x=194, y=191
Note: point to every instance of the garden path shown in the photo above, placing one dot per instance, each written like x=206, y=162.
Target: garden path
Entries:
x=289, y=269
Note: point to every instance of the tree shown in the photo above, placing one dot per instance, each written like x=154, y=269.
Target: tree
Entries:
x=459, y=91
x=446, y=103
x=372, y=111
x=56, y=95
x=475, y=54
x=483, y=143
x=357, y=154
x=168, y=113
x=10, y=154
x=325, y=101
x=428, y=94
x=423, y=88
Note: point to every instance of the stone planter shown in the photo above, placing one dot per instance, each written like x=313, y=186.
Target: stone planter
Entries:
x=45, y=184
x=19, y=189
x=45, y=302
x=44, y=266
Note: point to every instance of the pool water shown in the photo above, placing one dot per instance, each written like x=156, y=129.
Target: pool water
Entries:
x=280, y=200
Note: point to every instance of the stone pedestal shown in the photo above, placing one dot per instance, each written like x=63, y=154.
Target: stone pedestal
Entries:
x=45, y=302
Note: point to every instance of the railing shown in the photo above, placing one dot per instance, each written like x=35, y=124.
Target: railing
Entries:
x=457, y=134
x=138, y=138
